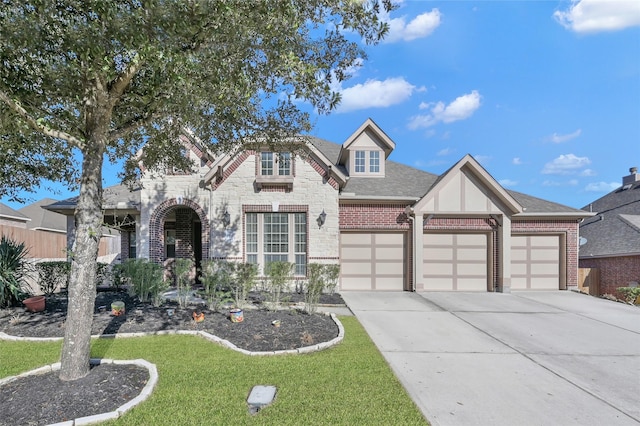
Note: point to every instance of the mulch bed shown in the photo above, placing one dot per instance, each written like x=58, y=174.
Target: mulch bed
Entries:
x=109, y=386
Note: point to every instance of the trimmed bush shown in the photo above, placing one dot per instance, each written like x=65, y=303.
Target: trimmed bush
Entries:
x=53, y=276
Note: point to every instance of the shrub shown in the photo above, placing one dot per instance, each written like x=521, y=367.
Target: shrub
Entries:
x=182, y=270
x=144, y=277
x=215, y=279
x=332, y=273
x=630, y=294
x=245, y=280
x=14, y=268
x=314, y=286
x=53, y=275
x=277, y=274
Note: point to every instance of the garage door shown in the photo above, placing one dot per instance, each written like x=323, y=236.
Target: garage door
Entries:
x=455, y=262
x=535, y=262
x=373, y=261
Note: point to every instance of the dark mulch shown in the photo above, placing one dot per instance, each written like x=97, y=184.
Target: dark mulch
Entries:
x=109, y=386
x=45, y=399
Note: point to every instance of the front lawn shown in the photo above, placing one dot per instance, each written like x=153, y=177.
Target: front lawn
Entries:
x=203, y=383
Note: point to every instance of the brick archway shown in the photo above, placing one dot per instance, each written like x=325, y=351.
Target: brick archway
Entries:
x=156, y=227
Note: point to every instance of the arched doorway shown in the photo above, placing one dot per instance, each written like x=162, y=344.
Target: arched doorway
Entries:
x=178, y=230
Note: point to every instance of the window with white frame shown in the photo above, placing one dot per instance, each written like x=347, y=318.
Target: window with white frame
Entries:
x=272, y=237
x=272, y=161
x=360, y=162
x=367, y=162
x=374, y=161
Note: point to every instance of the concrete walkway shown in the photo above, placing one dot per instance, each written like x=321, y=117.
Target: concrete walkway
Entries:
x=526, y=358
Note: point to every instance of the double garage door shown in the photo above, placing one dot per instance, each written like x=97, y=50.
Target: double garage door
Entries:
x=373, y=260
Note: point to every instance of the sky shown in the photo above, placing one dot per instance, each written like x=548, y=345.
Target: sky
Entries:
x=544, y=94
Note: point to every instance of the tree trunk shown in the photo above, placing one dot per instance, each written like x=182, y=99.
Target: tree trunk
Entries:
x=82, y=282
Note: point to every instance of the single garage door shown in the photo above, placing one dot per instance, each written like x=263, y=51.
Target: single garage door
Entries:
x=455, y=261
x=373, y=260
x=535, y=262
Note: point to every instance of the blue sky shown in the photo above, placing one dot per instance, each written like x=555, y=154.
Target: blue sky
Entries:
x=544, y=94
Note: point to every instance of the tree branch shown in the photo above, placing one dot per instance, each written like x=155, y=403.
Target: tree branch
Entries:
x=117, y=86
x=39, y=127
x=131, y=125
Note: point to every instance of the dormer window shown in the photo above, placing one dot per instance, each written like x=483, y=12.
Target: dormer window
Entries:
x=360, y=162
x=367, y=162
x=374, y=161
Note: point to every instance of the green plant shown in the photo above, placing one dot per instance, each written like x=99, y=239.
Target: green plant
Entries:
x=215, y=279
x=277, y=274
x=144, y=277
x=314, y=286
x=103, y=273
x=14, y=268
x=183, y=273
x=245, y=280
x=53, y=275
x=332, y=273
x=630, y=294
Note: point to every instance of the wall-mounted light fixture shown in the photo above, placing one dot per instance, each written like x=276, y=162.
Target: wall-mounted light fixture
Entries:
x=321, y=219
x=226, y=218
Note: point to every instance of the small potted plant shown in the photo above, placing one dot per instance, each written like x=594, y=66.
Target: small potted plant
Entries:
x=236, y=315
x=117, y=308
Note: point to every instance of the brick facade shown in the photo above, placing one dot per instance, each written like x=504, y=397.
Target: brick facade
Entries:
x=156, y=229
x=614, y=271
x=568, y=228
x=374, y=216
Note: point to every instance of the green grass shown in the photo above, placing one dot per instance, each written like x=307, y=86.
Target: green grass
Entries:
x=203, y=383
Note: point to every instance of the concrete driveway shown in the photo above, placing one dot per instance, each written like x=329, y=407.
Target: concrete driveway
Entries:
x=526, y=358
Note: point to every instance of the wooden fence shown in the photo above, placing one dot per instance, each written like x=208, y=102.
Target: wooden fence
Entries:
x=52, y=245
x=589, y=280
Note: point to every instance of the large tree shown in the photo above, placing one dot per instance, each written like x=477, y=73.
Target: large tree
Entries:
x=100, y=78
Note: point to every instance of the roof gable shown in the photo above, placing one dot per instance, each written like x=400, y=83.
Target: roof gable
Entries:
x=367, y=135
x=467, y=188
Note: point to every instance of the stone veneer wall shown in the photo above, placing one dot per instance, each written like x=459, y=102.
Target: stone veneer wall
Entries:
x=233, y=193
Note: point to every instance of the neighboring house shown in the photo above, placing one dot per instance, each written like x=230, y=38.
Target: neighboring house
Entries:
x=42, y=219
x=610, y=241
x=388, y=225
x=12, y=218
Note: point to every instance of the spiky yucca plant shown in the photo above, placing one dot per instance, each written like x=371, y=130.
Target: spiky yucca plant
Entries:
x=14, y=267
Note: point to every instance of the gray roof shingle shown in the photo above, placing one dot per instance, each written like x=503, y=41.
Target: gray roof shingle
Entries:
x=615, y=230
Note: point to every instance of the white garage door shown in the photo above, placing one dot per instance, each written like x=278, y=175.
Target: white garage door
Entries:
x=455, y=262
x=372, y=261
x=535, y=262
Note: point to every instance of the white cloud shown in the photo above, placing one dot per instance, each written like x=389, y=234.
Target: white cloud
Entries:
x=602, y=186
x=375, y=94
x=443, y=152
x=565, y=165
x=419, y=27
x=590, y=16
x=461, y=108
x=587, y=173
x=508, y=182
x=516, y=161
x=556, y=138
x=571, y=182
